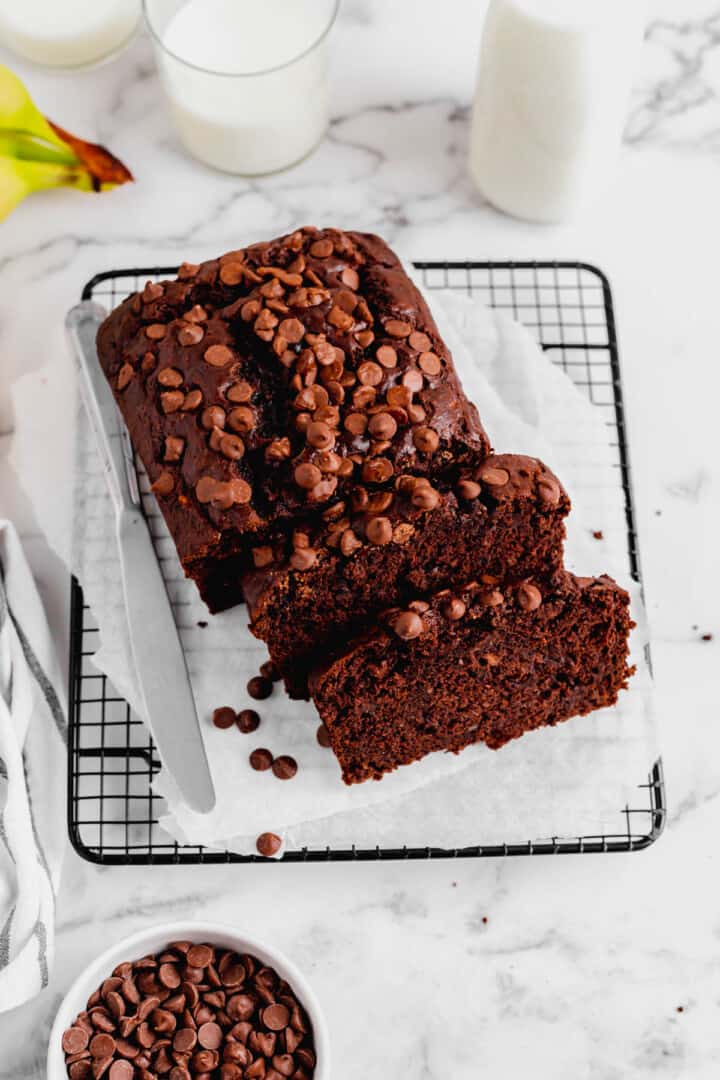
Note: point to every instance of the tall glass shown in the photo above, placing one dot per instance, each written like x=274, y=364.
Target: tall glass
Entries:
x=247, y=81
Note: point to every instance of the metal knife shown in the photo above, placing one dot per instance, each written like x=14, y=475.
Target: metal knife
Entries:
x=158, y=655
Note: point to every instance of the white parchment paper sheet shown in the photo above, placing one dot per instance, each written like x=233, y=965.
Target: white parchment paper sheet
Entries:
x=571, y=780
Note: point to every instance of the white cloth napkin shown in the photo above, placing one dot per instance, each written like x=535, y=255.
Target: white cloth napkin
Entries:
x=571, y=780
x=33, y=738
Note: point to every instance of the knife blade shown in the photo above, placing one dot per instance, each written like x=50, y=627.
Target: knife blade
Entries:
x=158, y=656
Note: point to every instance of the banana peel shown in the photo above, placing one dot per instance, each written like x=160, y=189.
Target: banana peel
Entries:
x=36, y=154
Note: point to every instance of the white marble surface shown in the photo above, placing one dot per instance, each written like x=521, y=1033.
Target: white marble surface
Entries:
x=583, y=963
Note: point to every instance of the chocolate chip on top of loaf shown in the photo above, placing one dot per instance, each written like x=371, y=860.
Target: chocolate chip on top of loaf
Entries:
x=271, y=382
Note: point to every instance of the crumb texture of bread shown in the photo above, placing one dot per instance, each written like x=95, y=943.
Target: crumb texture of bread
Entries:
x=475, y=664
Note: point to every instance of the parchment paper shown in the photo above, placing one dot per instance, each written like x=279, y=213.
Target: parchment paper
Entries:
x=571, y=780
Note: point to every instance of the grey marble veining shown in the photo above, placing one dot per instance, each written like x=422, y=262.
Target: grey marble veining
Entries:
x=591, y=967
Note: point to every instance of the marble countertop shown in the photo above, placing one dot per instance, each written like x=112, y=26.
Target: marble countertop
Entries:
x=598, y=967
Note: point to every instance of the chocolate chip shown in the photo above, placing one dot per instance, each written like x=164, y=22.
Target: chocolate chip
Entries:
x=407, y=625
x=213, y=416
x=468, y=489
x=307, y=475
x=369, y=373
x=379, y=530
x=454, y=608
x=102, y=1046
x=155, y=331
x=529, y=597
x=261, y=759
x=247, y=721
x=356, y=423
x=75, y=1040
x=223, y=718
x=239, y=392
x=494, y=477
x=349, y=542
x=121, y=1070
x=387, y=356
x=413, y=380
x=303, y=559
x=231, y=447
x=284, y=767
x=323, y=736
x=382, y=426
x=164, y=484
x=320, y=436
x=426, y=440
x=397, y=328
x=377, y=470
x=321, y=249
x=190, y=335
x=218, y=355
x=430, y=363
x=193, y=398
x=125, y=375
x=210, y=1035
x=424, y=496
x=419, y=341
x=232, y=273
x=549, y=492
x=171, y=400
x=268, y=844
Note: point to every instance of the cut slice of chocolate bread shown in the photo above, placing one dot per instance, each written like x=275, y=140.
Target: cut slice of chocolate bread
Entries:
x=475, y=664
x=324, y=584
x=262, y=387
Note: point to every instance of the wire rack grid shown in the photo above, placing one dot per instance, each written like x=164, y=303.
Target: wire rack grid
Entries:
x=113, y=813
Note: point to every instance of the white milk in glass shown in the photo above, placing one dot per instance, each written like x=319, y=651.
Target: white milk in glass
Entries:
x=67, y=33
x=552, y=95
x=247, y=80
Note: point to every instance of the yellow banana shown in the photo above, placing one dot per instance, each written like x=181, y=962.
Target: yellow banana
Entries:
x=36, y=154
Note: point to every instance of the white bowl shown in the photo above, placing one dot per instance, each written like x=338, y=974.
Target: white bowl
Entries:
x=155, y=939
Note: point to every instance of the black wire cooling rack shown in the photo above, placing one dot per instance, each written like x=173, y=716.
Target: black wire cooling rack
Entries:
x=112, y=811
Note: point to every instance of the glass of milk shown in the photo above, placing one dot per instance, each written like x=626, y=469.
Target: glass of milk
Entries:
x=553, y=87
x=246, y=79
x=67, y=33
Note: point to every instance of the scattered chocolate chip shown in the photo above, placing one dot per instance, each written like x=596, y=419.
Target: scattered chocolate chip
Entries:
x=248, y=720
x=261, y=759
x=598, y=534
x=284, y=767
x=259, y=687
x=268, y=844
x=706, y=637
x=224, y=717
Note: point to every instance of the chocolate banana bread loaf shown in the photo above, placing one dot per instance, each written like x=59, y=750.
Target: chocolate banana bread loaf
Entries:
x=474, y=664
x=324, y=583
x=262, y=387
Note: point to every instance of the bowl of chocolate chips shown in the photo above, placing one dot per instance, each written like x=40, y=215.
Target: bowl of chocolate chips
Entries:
x=189, y=1001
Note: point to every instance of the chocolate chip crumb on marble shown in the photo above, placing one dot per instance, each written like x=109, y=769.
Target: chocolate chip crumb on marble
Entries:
x=478, y=663
x=261, y=388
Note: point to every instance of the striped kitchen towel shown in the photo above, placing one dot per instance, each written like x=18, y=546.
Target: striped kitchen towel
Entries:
x=33, y=736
